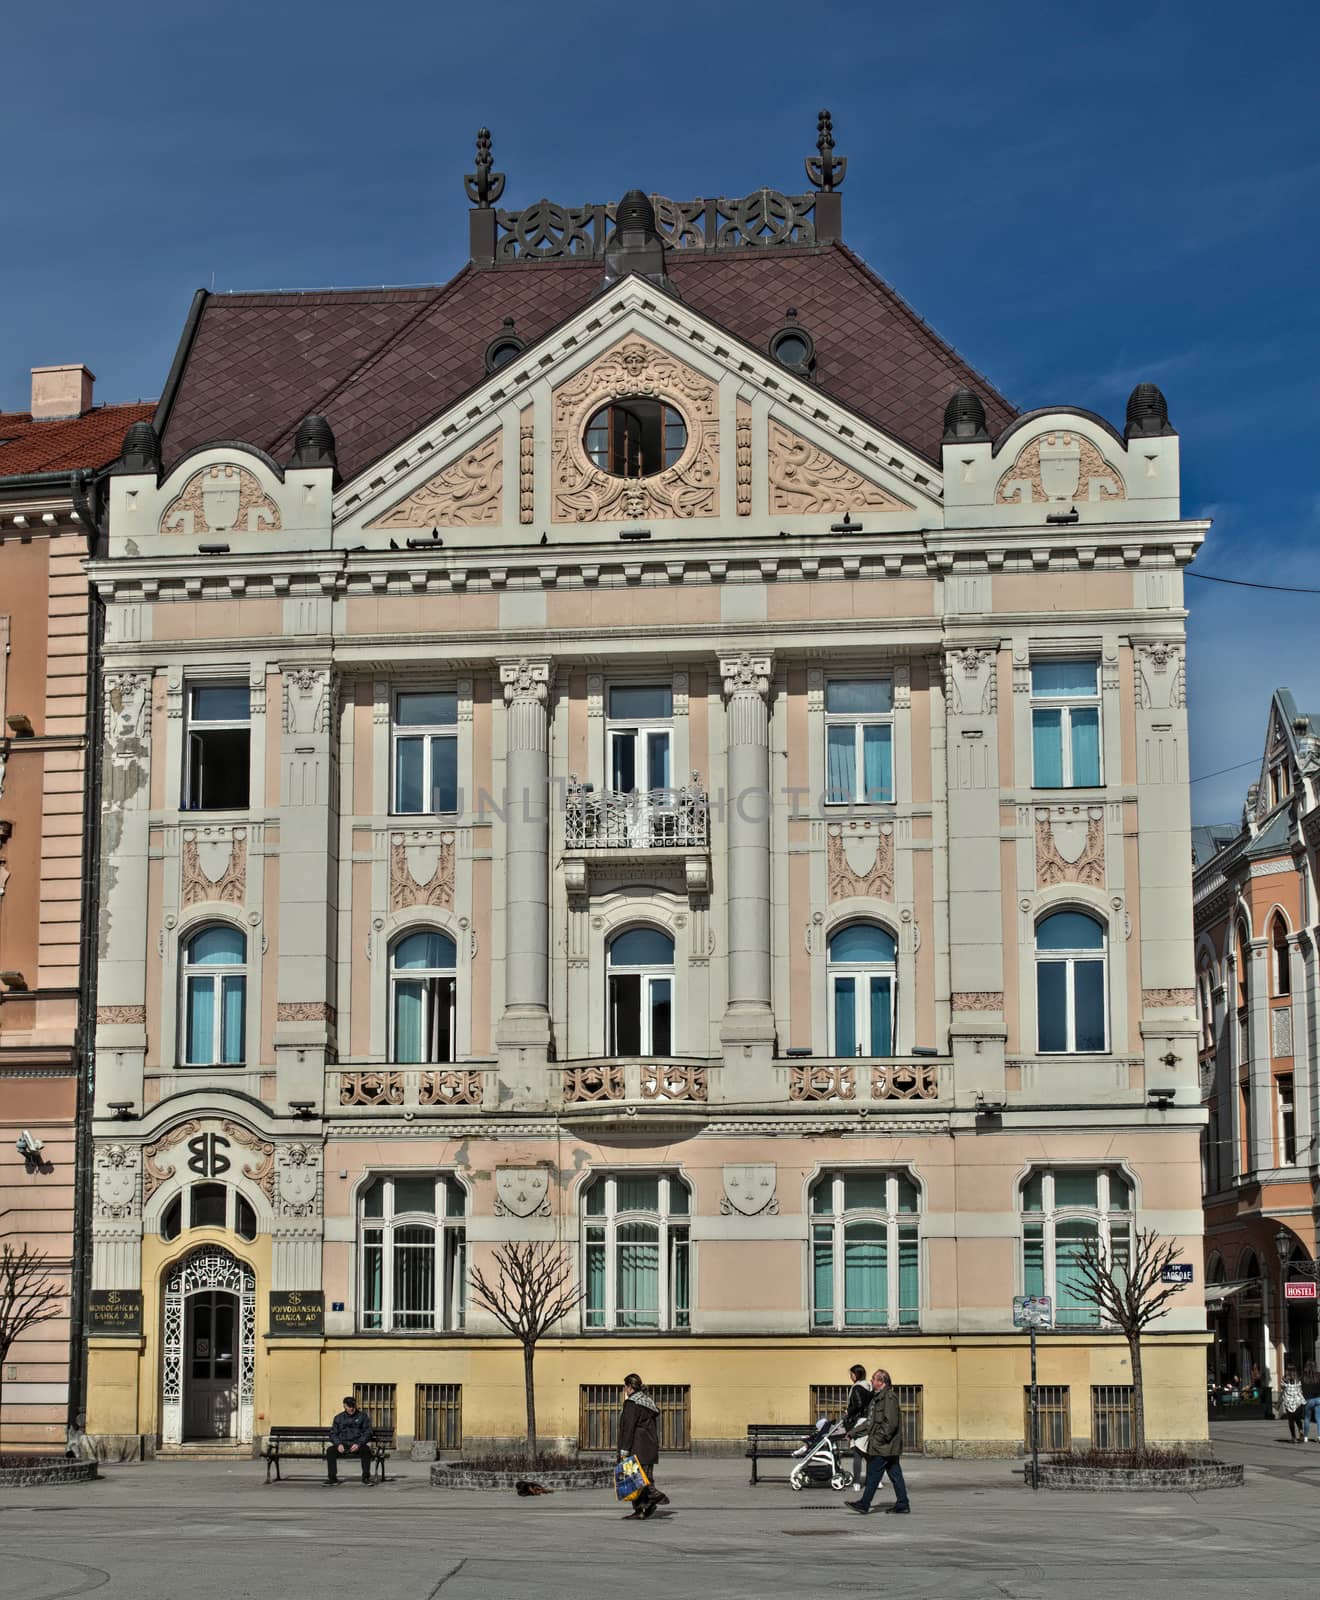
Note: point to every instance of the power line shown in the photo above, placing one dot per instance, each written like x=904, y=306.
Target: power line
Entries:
x=1241, y=583
x=1254, y=761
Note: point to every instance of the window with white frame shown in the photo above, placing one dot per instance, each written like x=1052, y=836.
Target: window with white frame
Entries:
x=1068, y=1211
x=214, y=997
x=425, y=735
x=413, y=1252
x=640, y=731
x=217, y=768
x=1206, y=1000
x=640, y=980
x=1065, y=724
x=636, y=1252
x=422, y=984
x=863, y=979
x=1072, y=985
x=865, y=1247
x=859, y=741
x=1287, y=1103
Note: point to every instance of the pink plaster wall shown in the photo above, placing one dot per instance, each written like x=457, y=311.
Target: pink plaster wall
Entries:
x=481, y=921
x=364, y=748
x=791, y=602
x=359, y=1043
x=635, y=606
x=155, y=919
x=923, y=894
x=799, y=961
x=429, y=613
x=921, y=718
x=699, y=723
x=1041, y=592
x=578, y=756
x=1127, y=697
x=270, y=962
x=730, y=1277
x=218, y=619
x=159, y=725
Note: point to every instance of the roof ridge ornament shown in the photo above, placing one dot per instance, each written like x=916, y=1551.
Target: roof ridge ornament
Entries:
x=825, y=171
x=485, y=185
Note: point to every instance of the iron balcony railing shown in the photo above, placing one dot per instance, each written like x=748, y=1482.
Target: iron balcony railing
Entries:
x=653, y=819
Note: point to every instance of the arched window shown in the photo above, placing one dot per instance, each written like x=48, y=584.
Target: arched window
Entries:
x=635, y=1238
x=171, y=1219
x=1243, y=966
x=864, y=1251
x=214, y=997
x=641, y=993
x=1065, y=1211
x=1072, y=1002
x=422, y=969
x=209, y=1205
x=414, y=1246
x=863, y=981
x=1282, y=965
x=1206, y=1000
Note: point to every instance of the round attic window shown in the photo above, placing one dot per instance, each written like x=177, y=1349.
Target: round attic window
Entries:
x=635, y=437
x=793, y=347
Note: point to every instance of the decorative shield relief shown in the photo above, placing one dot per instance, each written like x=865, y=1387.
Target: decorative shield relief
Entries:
x=522, y=1191
x=749, y=1190
x=1060, y=465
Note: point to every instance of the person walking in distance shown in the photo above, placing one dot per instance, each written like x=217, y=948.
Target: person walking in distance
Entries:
x=350, y=1435
x=859, y=1398
x=883, y=1425
x=1292, y=1405
x=639, y=1435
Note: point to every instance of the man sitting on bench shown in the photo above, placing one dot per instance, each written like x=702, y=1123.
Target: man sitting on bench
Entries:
x=350, y=1434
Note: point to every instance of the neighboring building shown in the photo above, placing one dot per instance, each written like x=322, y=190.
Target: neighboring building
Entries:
x=1258, y=985
x=48, y=460
x=638, y=748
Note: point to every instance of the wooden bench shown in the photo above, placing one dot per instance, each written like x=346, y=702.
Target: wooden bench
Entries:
x=774, y=1441
x=306, y=1443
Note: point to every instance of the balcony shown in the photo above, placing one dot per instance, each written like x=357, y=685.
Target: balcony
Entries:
x=403, y=1088
x=657, y=819
x=643, y=1080
x=867, y=1081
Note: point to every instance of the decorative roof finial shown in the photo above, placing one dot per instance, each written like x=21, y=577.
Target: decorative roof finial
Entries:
x=484, y=186
x=825, y=171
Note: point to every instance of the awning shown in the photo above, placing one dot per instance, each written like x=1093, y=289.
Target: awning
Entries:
x=1226, y=1291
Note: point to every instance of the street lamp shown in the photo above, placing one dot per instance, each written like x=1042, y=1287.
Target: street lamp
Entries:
x=1283, y=1244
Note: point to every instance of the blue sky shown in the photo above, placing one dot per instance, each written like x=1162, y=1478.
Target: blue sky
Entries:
x=1076, y=197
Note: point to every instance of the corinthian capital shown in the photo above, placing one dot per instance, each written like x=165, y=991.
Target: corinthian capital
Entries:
x=525, y=680
x=745, y=674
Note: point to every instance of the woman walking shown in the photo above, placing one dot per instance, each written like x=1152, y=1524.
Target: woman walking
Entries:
x=639, y=1435
x=1292, y=1406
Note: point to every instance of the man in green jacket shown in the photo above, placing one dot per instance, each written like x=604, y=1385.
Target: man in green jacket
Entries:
x=880, y=1433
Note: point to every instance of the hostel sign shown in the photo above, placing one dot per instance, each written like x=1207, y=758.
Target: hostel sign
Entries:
x=1300, y=1289
x=295, y=1312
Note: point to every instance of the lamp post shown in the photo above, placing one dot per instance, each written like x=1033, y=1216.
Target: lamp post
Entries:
x=1283, y=1245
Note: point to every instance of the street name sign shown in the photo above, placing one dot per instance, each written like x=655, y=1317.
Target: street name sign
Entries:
x=1033, y=1311
x=1179, y=1272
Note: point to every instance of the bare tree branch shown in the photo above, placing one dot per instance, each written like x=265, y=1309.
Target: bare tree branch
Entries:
x=27, y=1296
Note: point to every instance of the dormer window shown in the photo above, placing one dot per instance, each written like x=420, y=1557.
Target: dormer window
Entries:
x=506, y=346
x=793, y=347
x=635, y=437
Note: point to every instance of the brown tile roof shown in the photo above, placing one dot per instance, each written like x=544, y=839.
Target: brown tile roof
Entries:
x=66, y=444
x=380, y=364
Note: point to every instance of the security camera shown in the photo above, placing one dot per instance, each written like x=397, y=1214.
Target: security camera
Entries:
x=28, y=1145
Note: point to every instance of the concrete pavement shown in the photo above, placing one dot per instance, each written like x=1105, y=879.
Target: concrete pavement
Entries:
x=210, y=1530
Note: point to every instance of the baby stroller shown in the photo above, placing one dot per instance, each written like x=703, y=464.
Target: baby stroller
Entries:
x=820, y=1458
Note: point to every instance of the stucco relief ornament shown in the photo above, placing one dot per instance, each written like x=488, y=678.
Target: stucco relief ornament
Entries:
x=298, y=1171
x=1159, y=677
x=221, y=499
x=808, y=481
x=745, y=674
x=1070, y=846
x=214, y=868
x=468, y=493
x=421, y=870
x=1059, y=466
x=750, y=1191
x=127, y=705
x=525, y=680
x=522, y=1192
x=116, y=1182
x=972, y=687
x=305, y=693
x=860, y=861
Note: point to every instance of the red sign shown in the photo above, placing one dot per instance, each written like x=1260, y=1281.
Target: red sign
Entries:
x=1304, y=1289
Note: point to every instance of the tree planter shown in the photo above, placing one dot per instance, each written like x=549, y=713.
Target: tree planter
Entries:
x=45, y=1472
x=461, y=1475
x=1119, y=1480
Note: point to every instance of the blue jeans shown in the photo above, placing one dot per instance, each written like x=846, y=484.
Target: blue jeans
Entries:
x=876, y=1467
x=1312, y=1414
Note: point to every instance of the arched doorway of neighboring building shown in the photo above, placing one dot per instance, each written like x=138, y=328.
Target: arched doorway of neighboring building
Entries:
x=1299, y=1336
x=208, y=1348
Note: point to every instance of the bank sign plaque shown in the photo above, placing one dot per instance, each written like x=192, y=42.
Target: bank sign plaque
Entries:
x=114, y=1311
x=296, y=1311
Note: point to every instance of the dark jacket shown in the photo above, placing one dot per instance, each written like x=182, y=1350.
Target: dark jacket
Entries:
x=859, y=1399
x=355, y=1429
x=884, y=1426
x=639, y=1428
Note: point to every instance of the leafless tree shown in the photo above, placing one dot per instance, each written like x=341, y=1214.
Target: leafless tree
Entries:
x=1131, y=1295
x=28, y=1297
x=533, y=1293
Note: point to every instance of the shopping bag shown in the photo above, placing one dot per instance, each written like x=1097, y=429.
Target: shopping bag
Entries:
x=629, y=1478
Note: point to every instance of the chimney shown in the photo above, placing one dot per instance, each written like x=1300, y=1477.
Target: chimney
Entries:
x=61, y=392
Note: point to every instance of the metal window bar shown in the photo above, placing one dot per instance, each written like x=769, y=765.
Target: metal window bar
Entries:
x=377, y=1400
x=1053, y=1416
x=831, y=1400
x=440, y=1414
x=599, y=1405
x=1111, y=1416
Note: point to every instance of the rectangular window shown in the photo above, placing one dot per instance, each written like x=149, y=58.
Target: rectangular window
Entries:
x=1065, y=725
x=217, y=773
x=376, y=1400
x=1053, y=1417
x=1287, y=1121
x=641, y=741
x=425, y=737
x=439, y=1415
x=599, y=1405
x=859, y=742
x=1111, y=1416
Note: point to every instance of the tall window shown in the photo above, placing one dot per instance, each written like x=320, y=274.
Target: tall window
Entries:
x=1283, y=1088
x=1065, y=1209
x=638, y=1272
x=864, y=1251
x=641, y=993
x=425, y=753
x=1206, y=998
x=859, y=741
x=1243, y=954
x=1071, y=982
x=1282, y=965
x=414, y=1243
x=1065, y=724
x=217, y=773
x=863, y=988
x=214, y=998
x=640, y=732
x=422, y=968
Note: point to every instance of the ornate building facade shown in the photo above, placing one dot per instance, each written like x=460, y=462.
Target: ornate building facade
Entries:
x=1258, y=990
x=640, y=749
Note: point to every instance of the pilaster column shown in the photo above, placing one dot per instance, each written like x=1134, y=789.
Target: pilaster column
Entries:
x=523, y=1035
x=748, y=1030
